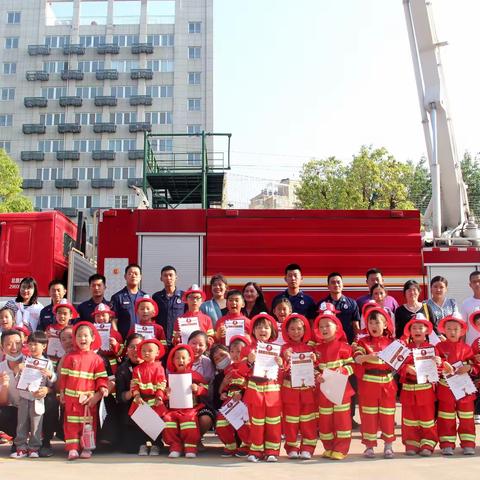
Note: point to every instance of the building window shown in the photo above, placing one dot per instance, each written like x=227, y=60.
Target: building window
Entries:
x=194, y=53
x=122, y=144
x=162, y=145
x=57, y=41
x=195, y=128
x=9, y=68
x=162, y=91
x=87, y=145
x=6, y=145
x=7, y=94
x=85, y=173
x=194, y=158
x=89, y=92
x=13, y=18
x=88, y=118
x=194, y=78
x=6, y=120
x=49, y=173
x=194, y=104
x=92, y=40
x=123, y=118
x=52, y=118
x=124, y=91
x=121, y=173
x=124, y=40
x=48, y=201
x=194, y=27
x=159, y=118
x=123, y=201
x=11, y=42
x=54, y=93
x=91, y=66
x=85, y=201
x=55, y=67
x=124, y=65
x=166, y=40
x=50, y=146
x=165, y=66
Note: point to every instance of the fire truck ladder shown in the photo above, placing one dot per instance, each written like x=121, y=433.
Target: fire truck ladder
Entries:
x=189, y=176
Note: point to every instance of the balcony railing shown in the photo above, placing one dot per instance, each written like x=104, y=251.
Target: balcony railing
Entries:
x=135, y=155
x=66, y=183
x=108, y=48
x=103, y=101
x=63, y=155
x=103, y=155
x=38, y=50
x=110, y=74
x=72, y=101
x=140, y=100
x=74, y=49
x=72, y=75
x=40, y=75
x=69, y=128
x=32, y=183
x=103, y=183
x=142, y=48
x=32, y=128
x=146, y=73
x=32, y=156
x=31, y=102
x=135, y=182
x=140, y=127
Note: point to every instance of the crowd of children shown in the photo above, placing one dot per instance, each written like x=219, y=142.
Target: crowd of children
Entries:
x=96, y=374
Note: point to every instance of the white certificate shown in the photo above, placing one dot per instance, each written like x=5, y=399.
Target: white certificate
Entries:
x=31, y=377
x=236, y=412
x=187, y=326
x=234, y=327
x=180, y=390
x=102, y=412
x=425, y=365
x=301, y=370
x=103, y=330
x=54, y=348
x=147, y=331
x=148, y=420
x=395, y=354
x=334, y=385
x=461, y=385
x=433, y=338
x=266, y=361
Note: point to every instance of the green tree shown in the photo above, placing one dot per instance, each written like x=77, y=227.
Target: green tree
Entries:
x=471, y=176
x=419, y=184
x=11, y=198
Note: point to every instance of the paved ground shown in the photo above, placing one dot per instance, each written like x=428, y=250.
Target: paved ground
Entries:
x=210, y=466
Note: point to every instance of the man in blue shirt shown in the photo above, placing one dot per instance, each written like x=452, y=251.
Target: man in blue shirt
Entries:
x=57, y=291
x=97, y=285
x=301, y=302
x=169, y=301
x=123, y=302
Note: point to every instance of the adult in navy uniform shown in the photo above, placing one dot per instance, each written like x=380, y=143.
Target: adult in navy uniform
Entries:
x=301, y=302
x=97, y=285
x=123, y=302
x=57, y=291
x=169, y=301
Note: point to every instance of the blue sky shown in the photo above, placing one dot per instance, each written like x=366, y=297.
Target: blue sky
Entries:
x=296, y=79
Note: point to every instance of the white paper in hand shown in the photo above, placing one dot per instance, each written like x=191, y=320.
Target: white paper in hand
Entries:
x=54, y=348
x=148, y=331
x=425, y=365
x=395, y=354
x=266, y=365
x=102, y=412
x=236, y=412
x=180, y=390
x=433, y=338
x=461, y=385
x=233, y=327
x=334, y=385
x=148, y=420
x=187, y=326
x=301, y=370
x=103, y=330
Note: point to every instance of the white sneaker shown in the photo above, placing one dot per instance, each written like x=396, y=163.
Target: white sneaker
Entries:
x=252, y=458
x=154, y=451
x=143, y=451
x=293, y=455
x=448, y=451
x=469, y=451
x=304, y=455
x=272, y=459
x=190, y=455
x=19, y=454
x=174, y=454
x=33, y=454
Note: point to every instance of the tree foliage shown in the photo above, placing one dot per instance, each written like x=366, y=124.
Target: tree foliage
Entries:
x=471, y=176
x=11, y=198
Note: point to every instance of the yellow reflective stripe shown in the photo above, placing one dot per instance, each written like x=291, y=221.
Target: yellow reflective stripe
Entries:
x=344, y=433
x=256, y=448
x=427, y=424
x=377, y=379
x=369, y=410
x=258, y=421
x=413, y=443
x=150, y=385
x=467, y=437
x=425, y=441
x=170, y=424
x=331, y=365
x=410, y=423
x=230, y=446
x=448, y=438
x=387, y=435
x=190, y=445
x=349, y=369
x=311, y=442
x=222, y=423
x=444, y=382
x=76, y=393
x=272, y=446
x=326, y=410
x=291, y=419
x=78, y=419
x=359, y=351
x=72, y=440
x=210, y=332
x=341, y=408
x=187, y=425
x=308, y=418
x=292, y=444
x=369, y=436
x=273, y=420
x=269, y=387
x=237, y=381
x=387, y=411
x=112, y=361
x=415, y=387
x=326, y=436
x=464, y=415
x=77, y=373
x=446, y=415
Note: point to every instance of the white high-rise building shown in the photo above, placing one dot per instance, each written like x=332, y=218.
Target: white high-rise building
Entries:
x=80, y=81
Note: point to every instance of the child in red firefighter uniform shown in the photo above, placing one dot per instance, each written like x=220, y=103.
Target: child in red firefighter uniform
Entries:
x=193, y=297
x=333, y=353
x=451, y=351
x=182, y=432
x=149, y=384
x=377, y=388
x=299, y=403
x=102, y=315
x=419, y=429
x=64, y=313
x=83, y=383
x=147, y=309
x=262, y=397
x=232, y=388
x=235, y=303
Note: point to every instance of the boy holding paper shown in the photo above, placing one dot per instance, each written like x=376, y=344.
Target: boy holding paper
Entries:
x=298, y=395
x=146, y=310
x=419, y=430
x=457, y=358
x=234, y=318
x=377, y=389
x=182, y=432
x=262, y=395
x=193, y=319
x=37, y=372
x=333, y=353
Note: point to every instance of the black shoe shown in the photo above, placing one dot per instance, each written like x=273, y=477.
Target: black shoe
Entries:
x=45, y=451
x=355, y=425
